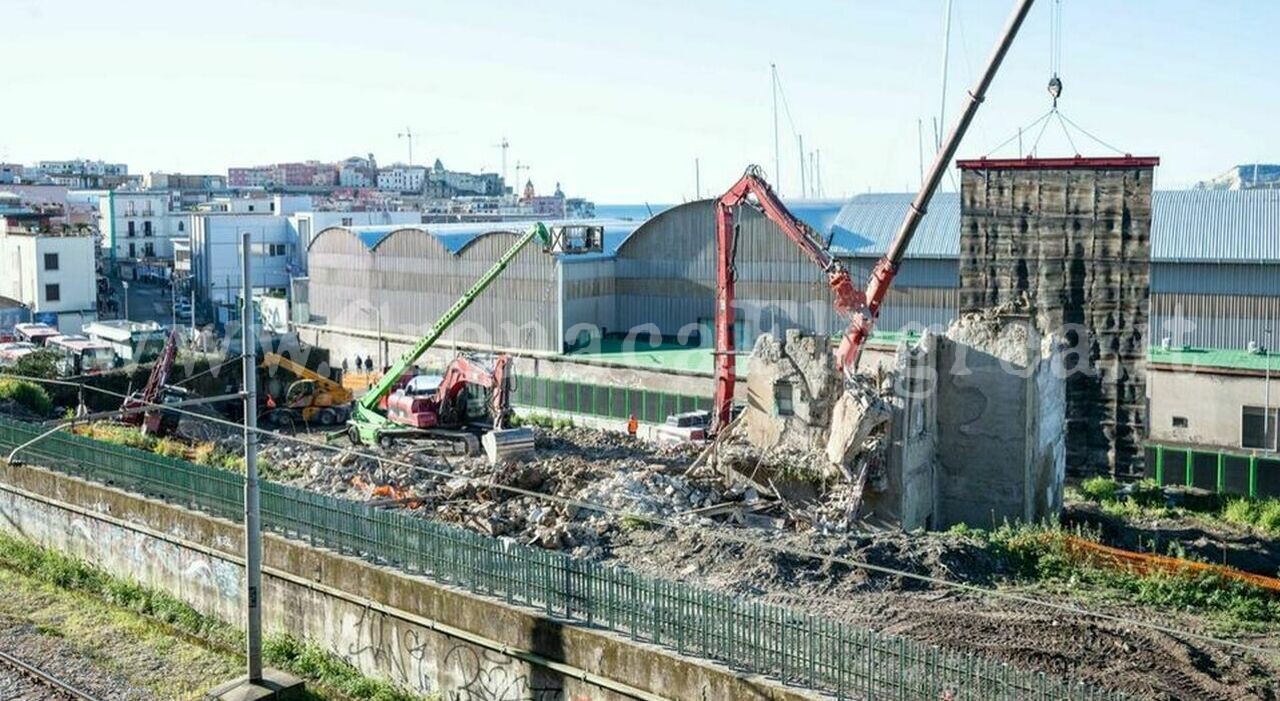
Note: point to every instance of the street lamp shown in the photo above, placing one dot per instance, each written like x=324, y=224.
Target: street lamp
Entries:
x=1266, y=393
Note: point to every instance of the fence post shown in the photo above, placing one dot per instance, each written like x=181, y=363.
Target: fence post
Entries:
x=1191, y=468
x=1253, y=476
x=1159, y=464
x=1222, y=472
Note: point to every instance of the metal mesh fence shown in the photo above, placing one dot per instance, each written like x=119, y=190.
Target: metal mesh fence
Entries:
x=1252, y=474
x=794, y=647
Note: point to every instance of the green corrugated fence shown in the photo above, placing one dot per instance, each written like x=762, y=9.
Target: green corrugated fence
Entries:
x=1254, y=475
x=604, y=401
x=797, y=648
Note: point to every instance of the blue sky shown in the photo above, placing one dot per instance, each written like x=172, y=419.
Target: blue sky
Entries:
x=616, y=99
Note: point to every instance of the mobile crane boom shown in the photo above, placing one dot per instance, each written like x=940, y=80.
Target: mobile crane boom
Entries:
x=366, y=420
x=861, y=306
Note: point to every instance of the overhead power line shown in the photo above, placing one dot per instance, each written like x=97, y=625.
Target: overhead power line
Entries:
x=716, y=533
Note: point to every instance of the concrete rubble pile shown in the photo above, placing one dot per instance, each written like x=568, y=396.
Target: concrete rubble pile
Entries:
x=809, y=438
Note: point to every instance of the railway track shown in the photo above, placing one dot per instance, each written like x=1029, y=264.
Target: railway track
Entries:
x=40, y=684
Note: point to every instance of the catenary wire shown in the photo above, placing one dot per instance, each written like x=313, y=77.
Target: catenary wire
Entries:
x=720, y=534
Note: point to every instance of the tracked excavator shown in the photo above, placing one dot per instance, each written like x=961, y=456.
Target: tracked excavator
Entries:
x=405, y=404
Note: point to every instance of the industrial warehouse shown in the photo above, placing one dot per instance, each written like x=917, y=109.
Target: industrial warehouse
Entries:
x=884, y=408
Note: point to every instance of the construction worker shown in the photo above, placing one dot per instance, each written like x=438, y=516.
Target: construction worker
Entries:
x=633, y=425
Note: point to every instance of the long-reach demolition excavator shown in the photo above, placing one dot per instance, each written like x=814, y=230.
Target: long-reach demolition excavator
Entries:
x=403, y=404
x=862, y=307
x=156, y=422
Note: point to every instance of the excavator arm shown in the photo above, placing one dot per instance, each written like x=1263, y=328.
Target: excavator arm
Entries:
x=863, y=307
x=752, y=190
x=303, y=372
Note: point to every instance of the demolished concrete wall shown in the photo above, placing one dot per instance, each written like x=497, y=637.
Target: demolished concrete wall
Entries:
x=792, y=388
x=1001, y=411
x=904, y=495
x=1073, y=237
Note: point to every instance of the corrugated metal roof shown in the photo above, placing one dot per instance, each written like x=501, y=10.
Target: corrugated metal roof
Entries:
x=868, y=223
x=1216, y=226
x=1186, y=226
x=456, y=237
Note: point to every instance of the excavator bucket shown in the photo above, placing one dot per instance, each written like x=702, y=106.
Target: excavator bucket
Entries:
x=508, y=444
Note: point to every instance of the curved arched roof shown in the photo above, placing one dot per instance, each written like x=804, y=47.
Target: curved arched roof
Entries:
x=819, y=215
x=457, y=237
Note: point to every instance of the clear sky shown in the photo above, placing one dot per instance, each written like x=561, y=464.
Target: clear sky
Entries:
x=616, y=99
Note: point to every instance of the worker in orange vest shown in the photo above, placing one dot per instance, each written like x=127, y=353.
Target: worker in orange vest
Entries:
x=632, y=425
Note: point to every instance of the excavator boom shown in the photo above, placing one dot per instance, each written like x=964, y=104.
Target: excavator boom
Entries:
x=862, y=307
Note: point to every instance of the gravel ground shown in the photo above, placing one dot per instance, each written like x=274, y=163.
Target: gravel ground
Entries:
x=55, y=656
x=109, y=652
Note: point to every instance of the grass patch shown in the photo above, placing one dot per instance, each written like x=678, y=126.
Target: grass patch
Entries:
x=1146, y=499
x=322, y=669
x=29, y=395
x=1263, y=514
x=1039, y=554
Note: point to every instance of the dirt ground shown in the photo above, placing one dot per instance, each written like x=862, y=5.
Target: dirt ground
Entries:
x=1149, y=664
x=650, y=480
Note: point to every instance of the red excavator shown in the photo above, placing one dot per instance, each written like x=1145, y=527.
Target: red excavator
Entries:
x=155, y=422
x=442, y=404
x=862, y=307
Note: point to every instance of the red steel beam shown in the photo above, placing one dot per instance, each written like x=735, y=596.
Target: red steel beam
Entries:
x=1125, y=161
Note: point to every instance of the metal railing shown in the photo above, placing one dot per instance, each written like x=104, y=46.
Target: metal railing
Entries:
x=1255, y=475
x=797, y=648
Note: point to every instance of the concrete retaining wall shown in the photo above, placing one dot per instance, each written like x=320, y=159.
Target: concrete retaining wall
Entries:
x=426, y=637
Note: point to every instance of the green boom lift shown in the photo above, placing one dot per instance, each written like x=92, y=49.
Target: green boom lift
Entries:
x=368, y=425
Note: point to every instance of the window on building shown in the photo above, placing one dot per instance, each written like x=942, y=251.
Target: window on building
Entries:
x=133, y=251
x=346, y=221
x=1180, y=422
x=146, y=228
x=277, y=249
x=1258, y=427
x=782, y=399
x=51, y=261
x=52, y=293
x=182, y=226
x=149, y=250
x=250, y=208
x=131, y=231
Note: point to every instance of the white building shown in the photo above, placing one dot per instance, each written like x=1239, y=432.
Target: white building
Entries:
x=402, y=178
x=51, y=273
x=215, y=255
x=137, y=230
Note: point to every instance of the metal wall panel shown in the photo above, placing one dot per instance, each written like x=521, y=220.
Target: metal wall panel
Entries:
x=1213, y=321
x=1216, y=278
x=410, y=279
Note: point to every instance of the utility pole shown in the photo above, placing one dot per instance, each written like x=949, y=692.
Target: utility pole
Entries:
x=946, y=55
x=252, y=514
x=800, y=149
x=504, y=145
x=697, y=180
x=920, y=147
x=817, y=170
x=258, y=683
x=1266, y=400
x=408, y=134
x=777, y=162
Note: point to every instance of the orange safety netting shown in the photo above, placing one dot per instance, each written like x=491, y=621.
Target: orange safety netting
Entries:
x=1146, y=563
